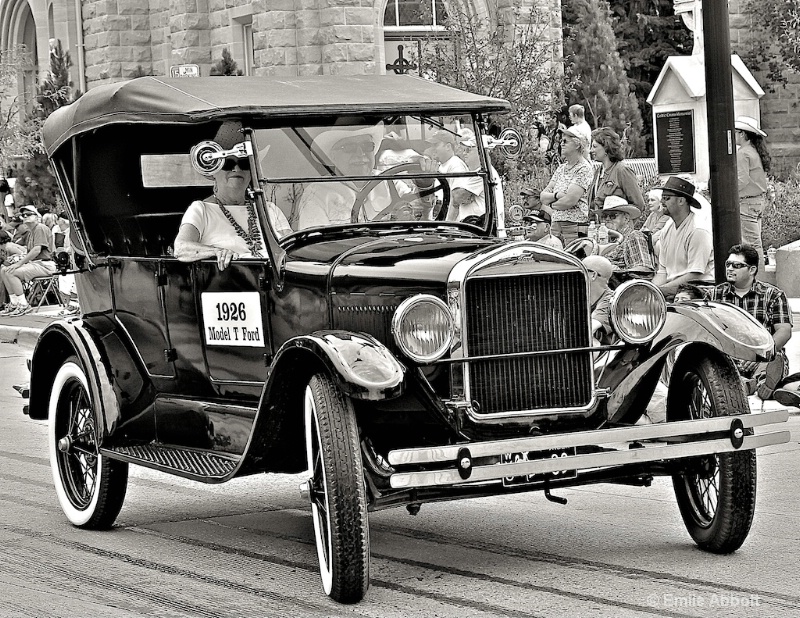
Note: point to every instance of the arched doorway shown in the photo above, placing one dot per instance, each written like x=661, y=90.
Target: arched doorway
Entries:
x=18, y=42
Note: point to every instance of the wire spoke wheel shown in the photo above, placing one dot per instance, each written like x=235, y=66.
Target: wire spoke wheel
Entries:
x=715, y=493
x=337, y=491
x=90, y=488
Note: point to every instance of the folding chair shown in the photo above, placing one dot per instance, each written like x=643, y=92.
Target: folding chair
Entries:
x=39, y=288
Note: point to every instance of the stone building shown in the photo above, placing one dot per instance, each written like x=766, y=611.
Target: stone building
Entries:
x=109, y=40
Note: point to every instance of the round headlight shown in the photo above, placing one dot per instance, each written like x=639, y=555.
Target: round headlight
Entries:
x=423, y=328
x=638, y=311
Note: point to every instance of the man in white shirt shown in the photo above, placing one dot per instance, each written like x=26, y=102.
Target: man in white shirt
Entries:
x=685, y=251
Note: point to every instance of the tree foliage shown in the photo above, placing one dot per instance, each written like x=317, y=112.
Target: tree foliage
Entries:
x=648, y=32
x=16, y=140
x=511, y=57
x=226, y=66
x=590, y=46
x=774, y=42
x=35, y=181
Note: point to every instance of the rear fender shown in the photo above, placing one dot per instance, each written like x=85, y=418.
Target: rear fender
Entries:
x=362, y=366
x=58, y=342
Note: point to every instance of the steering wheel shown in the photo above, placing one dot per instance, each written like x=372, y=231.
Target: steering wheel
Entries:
x=397, y=200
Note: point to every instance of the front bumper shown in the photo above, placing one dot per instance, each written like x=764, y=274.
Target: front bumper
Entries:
x=467, y=463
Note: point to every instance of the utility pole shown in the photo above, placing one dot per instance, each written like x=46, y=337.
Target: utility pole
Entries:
x=721, y=138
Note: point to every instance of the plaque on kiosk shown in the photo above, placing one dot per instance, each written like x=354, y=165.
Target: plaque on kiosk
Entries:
x=675, y=139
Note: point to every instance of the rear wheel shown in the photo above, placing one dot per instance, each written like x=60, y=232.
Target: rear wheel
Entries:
x=716, y=494
x=90, y=487
x=337, y=491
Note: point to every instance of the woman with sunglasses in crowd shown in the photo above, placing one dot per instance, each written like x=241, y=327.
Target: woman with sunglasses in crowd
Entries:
x=225, y=225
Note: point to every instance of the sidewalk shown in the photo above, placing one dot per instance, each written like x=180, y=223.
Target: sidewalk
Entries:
x=25, y=329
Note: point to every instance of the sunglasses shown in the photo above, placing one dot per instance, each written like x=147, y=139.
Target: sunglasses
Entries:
x=232, y=162
x=610, y=215
x=736, y=265
x=352, y=148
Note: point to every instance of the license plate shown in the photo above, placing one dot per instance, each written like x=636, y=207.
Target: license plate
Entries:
x=532, y=479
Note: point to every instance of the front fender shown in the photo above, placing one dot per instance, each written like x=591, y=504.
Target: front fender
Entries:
x=729, y=328
x=362, y=365
x=632, y=375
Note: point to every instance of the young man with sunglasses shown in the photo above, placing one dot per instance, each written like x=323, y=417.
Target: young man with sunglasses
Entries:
x=767, y=304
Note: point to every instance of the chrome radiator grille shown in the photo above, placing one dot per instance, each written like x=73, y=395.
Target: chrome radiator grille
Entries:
x=523, y=314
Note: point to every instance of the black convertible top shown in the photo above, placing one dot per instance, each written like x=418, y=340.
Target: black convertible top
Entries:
x=159, y=100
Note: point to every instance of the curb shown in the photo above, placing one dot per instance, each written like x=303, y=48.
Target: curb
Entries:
x=21, y=335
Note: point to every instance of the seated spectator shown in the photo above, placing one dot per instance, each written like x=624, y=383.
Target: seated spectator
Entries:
x=600, y=271
x=10, y=253
x=685, y=252
x=656, y=216
x=688, y=293
x=539, y=230
x=767, y=304
x=530, y=198
x=633, y=252
x=18, y=231
x=37, y=262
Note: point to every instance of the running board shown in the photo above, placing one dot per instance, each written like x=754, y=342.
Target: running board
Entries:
x=198, y=465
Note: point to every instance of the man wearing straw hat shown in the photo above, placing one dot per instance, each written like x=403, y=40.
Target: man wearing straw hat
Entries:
x=633, y=252
x=753, y=164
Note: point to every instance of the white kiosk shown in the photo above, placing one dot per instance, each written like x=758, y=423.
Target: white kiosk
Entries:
x=680, y=128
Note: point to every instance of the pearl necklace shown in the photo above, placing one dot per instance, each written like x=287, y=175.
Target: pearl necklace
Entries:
x=252, y=236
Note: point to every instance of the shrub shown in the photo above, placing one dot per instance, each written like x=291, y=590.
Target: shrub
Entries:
x=781, y=223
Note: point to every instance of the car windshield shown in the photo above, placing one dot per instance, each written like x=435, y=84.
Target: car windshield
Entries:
x=391, y=168
x=357, y=170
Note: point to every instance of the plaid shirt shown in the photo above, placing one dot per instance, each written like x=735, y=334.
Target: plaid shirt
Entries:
x=633, y=253
x=765, y=302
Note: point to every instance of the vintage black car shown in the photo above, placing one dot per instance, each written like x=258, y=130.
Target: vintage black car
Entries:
x=401, y=357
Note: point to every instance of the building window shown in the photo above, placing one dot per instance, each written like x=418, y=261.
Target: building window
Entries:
x=407, y=26
x=414, y=15
x=242, y=43
x=247, y=44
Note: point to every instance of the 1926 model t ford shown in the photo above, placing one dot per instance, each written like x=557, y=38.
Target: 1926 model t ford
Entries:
x=400, y=356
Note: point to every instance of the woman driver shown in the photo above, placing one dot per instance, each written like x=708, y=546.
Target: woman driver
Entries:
x=225, y=225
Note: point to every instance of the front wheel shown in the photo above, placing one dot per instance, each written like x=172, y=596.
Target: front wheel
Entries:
x=716, y=494
x=90, y=487
x=337, y=491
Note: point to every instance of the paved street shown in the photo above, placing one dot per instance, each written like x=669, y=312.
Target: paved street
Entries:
x=246, y=548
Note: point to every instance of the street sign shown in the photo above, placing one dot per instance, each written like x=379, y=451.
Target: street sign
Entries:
x=184, y=70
